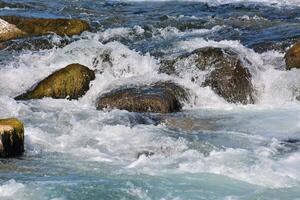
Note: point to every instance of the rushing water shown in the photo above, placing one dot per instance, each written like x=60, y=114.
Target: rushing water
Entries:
x=74, y=151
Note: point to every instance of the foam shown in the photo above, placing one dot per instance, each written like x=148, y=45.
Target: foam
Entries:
x=11, y=188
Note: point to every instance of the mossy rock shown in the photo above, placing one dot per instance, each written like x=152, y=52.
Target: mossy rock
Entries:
x=292, y=57
x=160, y=97
x=42, y=26
x=12, y=137
x=70, y=82
x=227, y=75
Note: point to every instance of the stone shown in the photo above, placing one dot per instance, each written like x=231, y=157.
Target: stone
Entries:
x=226, y=74
x=292, y=57
x=43, y=26
x=160, y=97
x=12, y=137
x=70, y=82
x=9, y=31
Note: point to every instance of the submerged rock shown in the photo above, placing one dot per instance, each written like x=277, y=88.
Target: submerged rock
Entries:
x=41, y=26
x=160, y=97
x=186, y=123
x=70, y=82
x=12, y=137
x=145, y=153
x=9, y=31
x=292, y=57
x=226, y=73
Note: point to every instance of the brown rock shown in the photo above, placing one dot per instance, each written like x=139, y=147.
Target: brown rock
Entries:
x=227, y=76
x=292, y=57
x=160, y=97
x=41, y=26
x=12, y=137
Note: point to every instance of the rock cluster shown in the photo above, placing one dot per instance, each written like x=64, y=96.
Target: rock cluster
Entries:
x=12, y=27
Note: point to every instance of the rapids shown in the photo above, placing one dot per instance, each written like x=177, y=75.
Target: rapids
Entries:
x=74, y=151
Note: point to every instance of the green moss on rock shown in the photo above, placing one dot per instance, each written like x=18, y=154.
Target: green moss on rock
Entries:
x=70, y=82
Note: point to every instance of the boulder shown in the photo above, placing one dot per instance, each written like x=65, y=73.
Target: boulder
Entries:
x=41, y=26
x=292, y=57
x=11, y=137
x=160, y=97
x=70, y=82
x=9, y=31
x=226, y=73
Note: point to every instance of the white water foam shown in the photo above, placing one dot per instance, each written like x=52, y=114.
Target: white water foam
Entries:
x=77, y=129
x=11, y=188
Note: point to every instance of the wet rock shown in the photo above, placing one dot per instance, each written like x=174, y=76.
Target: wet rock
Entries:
x=12, y=137
x=9, y=31
x=33, y=44
x=160, y=97
x=181, y=24
x=70, y=82
x=226, y=73
x=292, y=57
x=264, y=46
x=132, y=119
x=145, y=153
x=2, y=46
x=41, y=26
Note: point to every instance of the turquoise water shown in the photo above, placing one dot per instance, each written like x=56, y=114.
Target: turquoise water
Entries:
x=210, y=150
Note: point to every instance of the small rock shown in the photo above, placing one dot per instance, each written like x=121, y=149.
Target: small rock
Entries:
x=160, y=97
x=145, y=153
x=292, y=57
x=70, y=82
x=12, y=137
